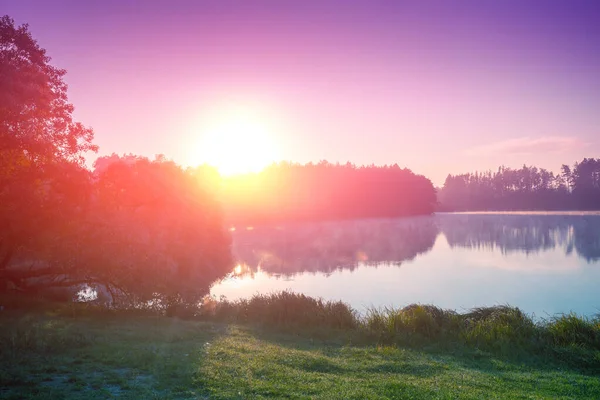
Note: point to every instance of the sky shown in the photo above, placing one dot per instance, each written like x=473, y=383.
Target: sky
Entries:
x=436, y=86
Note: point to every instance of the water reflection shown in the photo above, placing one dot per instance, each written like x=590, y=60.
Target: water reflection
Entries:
x=329, y=246
x=543, y=263
x=524, y=233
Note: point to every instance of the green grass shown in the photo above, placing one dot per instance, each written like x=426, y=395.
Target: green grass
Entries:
x=283, y=310
x=78, y=353
x=500, y=330
x=245, y=364
x=111, y=356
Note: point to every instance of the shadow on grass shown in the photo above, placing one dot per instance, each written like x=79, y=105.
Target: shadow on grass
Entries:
x=48, y=356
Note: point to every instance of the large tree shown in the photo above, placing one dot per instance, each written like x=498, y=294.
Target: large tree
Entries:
x=41, y=150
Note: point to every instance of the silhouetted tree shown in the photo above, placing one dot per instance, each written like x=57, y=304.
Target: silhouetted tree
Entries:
x=585, y=178
x=527, y=188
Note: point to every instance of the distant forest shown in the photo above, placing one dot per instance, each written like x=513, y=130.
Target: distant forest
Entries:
x=524, y=189
x=325, y=191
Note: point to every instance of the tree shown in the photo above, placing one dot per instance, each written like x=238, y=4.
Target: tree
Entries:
x=152, y=231
x=567, y=176
x=585, y=178
x=36, y=121
x=41, y=150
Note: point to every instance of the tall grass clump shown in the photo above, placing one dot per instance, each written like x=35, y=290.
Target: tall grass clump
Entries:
x=575, y=340
x=500, y=328
x=412, y=323
x=571, y=329
x=284, y=310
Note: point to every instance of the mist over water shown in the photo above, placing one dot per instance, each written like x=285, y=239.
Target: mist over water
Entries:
x=544, y=263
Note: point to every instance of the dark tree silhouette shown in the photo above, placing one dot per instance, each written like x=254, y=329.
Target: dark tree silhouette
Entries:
x=527, y=188
x=585, y=180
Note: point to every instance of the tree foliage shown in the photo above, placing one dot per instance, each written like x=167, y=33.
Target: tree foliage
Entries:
x=325, y=191
x=35, y=115
x=153, y=229
x=41, y=146
x=526, y=188
x=584, y=179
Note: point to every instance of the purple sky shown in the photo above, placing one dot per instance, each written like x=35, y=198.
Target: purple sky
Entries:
x=440, y=87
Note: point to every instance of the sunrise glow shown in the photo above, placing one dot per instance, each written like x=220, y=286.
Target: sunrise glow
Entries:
x=237, y=142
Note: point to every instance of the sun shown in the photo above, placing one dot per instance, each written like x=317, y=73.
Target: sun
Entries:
x=238, y=142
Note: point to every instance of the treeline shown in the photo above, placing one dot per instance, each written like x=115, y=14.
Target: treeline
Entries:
x=133, y=230
x=527, y=188
x=325, y=191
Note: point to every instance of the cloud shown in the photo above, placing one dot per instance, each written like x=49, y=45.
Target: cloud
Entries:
x=526, y=145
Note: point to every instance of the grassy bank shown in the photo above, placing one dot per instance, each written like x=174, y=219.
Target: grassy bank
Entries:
x=290, y=346
x=501, y=330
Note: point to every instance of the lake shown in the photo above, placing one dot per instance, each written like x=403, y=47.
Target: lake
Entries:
x=544, y=263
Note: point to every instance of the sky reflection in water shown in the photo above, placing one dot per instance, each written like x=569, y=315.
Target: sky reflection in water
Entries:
x=542, y=263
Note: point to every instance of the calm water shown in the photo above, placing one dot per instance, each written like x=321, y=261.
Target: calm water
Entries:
x=543, y=263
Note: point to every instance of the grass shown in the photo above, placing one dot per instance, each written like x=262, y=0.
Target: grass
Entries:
x=292, y=346
x=501, y=330
x=283, y=310
x=247, y=365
